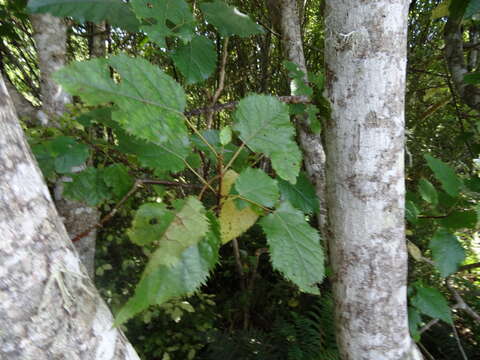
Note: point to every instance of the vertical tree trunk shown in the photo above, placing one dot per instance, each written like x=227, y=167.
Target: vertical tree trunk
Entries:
x=50, y=35
x=50, y=308
x=365, y=67
x=311, y=144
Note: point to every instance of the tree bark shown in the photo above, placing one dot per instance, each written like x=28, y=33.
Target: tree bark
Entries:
x=470, y=94
x=365, y=68
x=50, y=35
x=314, y=155
x=49, y=306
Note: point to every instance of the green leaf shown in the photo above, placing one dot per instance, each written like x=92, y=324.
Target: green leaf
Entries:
x=162, y=283
x=196, y=60
x=445, y=174
x=427, y=191
x=473, y=8
x=432, y=303
x=414, y=322
x=473, y=78
x=447, y=252
x=45, y=158
x=264, y=125
x=229, y=20
x=150, y=103
x=460, y=220
x=302, y=195
x=312, y=118
x=295, y=248
x=117, y=177
x=88, y=187
x=68, y=154
x=187, y=228
x=158, y=14
x=150, y=223
x=411, y=212
x=226, y=135
x=155, y=156
x=116, y=12
x=255, y=185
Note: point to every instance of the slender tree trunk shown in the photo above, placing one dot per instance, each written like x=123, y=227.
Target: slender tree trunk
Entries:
x=49, y=306
x=365, y=67
x=50, y=35
x=455, y=56
x=311, y=144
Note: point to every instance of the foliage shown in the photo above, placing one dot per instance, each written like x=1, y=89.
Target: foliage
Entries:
x=130, y=123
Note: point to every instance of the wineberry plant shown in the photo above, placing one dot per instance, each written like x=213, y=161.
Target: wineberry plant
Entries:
x=245, y=172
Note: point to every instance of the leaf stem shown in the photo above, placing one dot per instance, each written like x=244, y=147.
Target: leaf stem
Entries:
x=195, y=130
x=234, y=157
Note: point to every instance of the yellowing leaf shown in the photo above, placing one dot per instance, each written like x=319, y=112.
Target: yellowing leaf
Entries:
x=441, y=10
x=233, y=222
x=414, y=251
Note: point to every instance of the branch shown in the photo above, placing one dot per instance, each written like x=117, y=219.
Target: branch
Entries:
x=461, y=304
x=221, y=82
x=134, y=188
x=455, y=58
x=233, y=104
x=469, y=267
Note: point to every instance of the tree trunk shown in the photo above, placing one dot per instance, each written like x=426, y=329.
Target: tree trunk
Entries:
x=469, y=93
x=50, y=308
x=50, y=35
x=311, y=144
x=365, y=68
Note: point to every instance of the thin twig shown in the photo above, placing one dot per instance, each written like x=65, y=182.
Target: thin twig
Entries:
x=455, y=334
x=469, y=267
x=428, y=325
x=221, y=82
x=460, y=303
x=233, y=104
x=134, y=188
x=110, y=214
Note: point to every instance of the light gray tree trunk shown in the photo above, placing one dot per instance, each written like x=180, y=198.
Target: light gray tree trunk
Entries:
x=365, y=68
x=50, y=35
x=49, y=308
x=314, y=156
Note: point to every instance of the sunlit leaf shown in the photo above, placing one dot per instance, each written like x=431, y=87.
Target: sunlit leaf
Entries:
x=229, y=20
x=264, y=125
x=116, y=12
x=160, y=283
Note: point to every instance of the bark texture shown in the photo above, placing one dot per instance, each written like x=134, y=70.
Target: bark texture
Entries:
x=314, y=155
x=23, y=107
x=50, y=34
x=49, y=308
x=470, y=94
x=365, y=67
